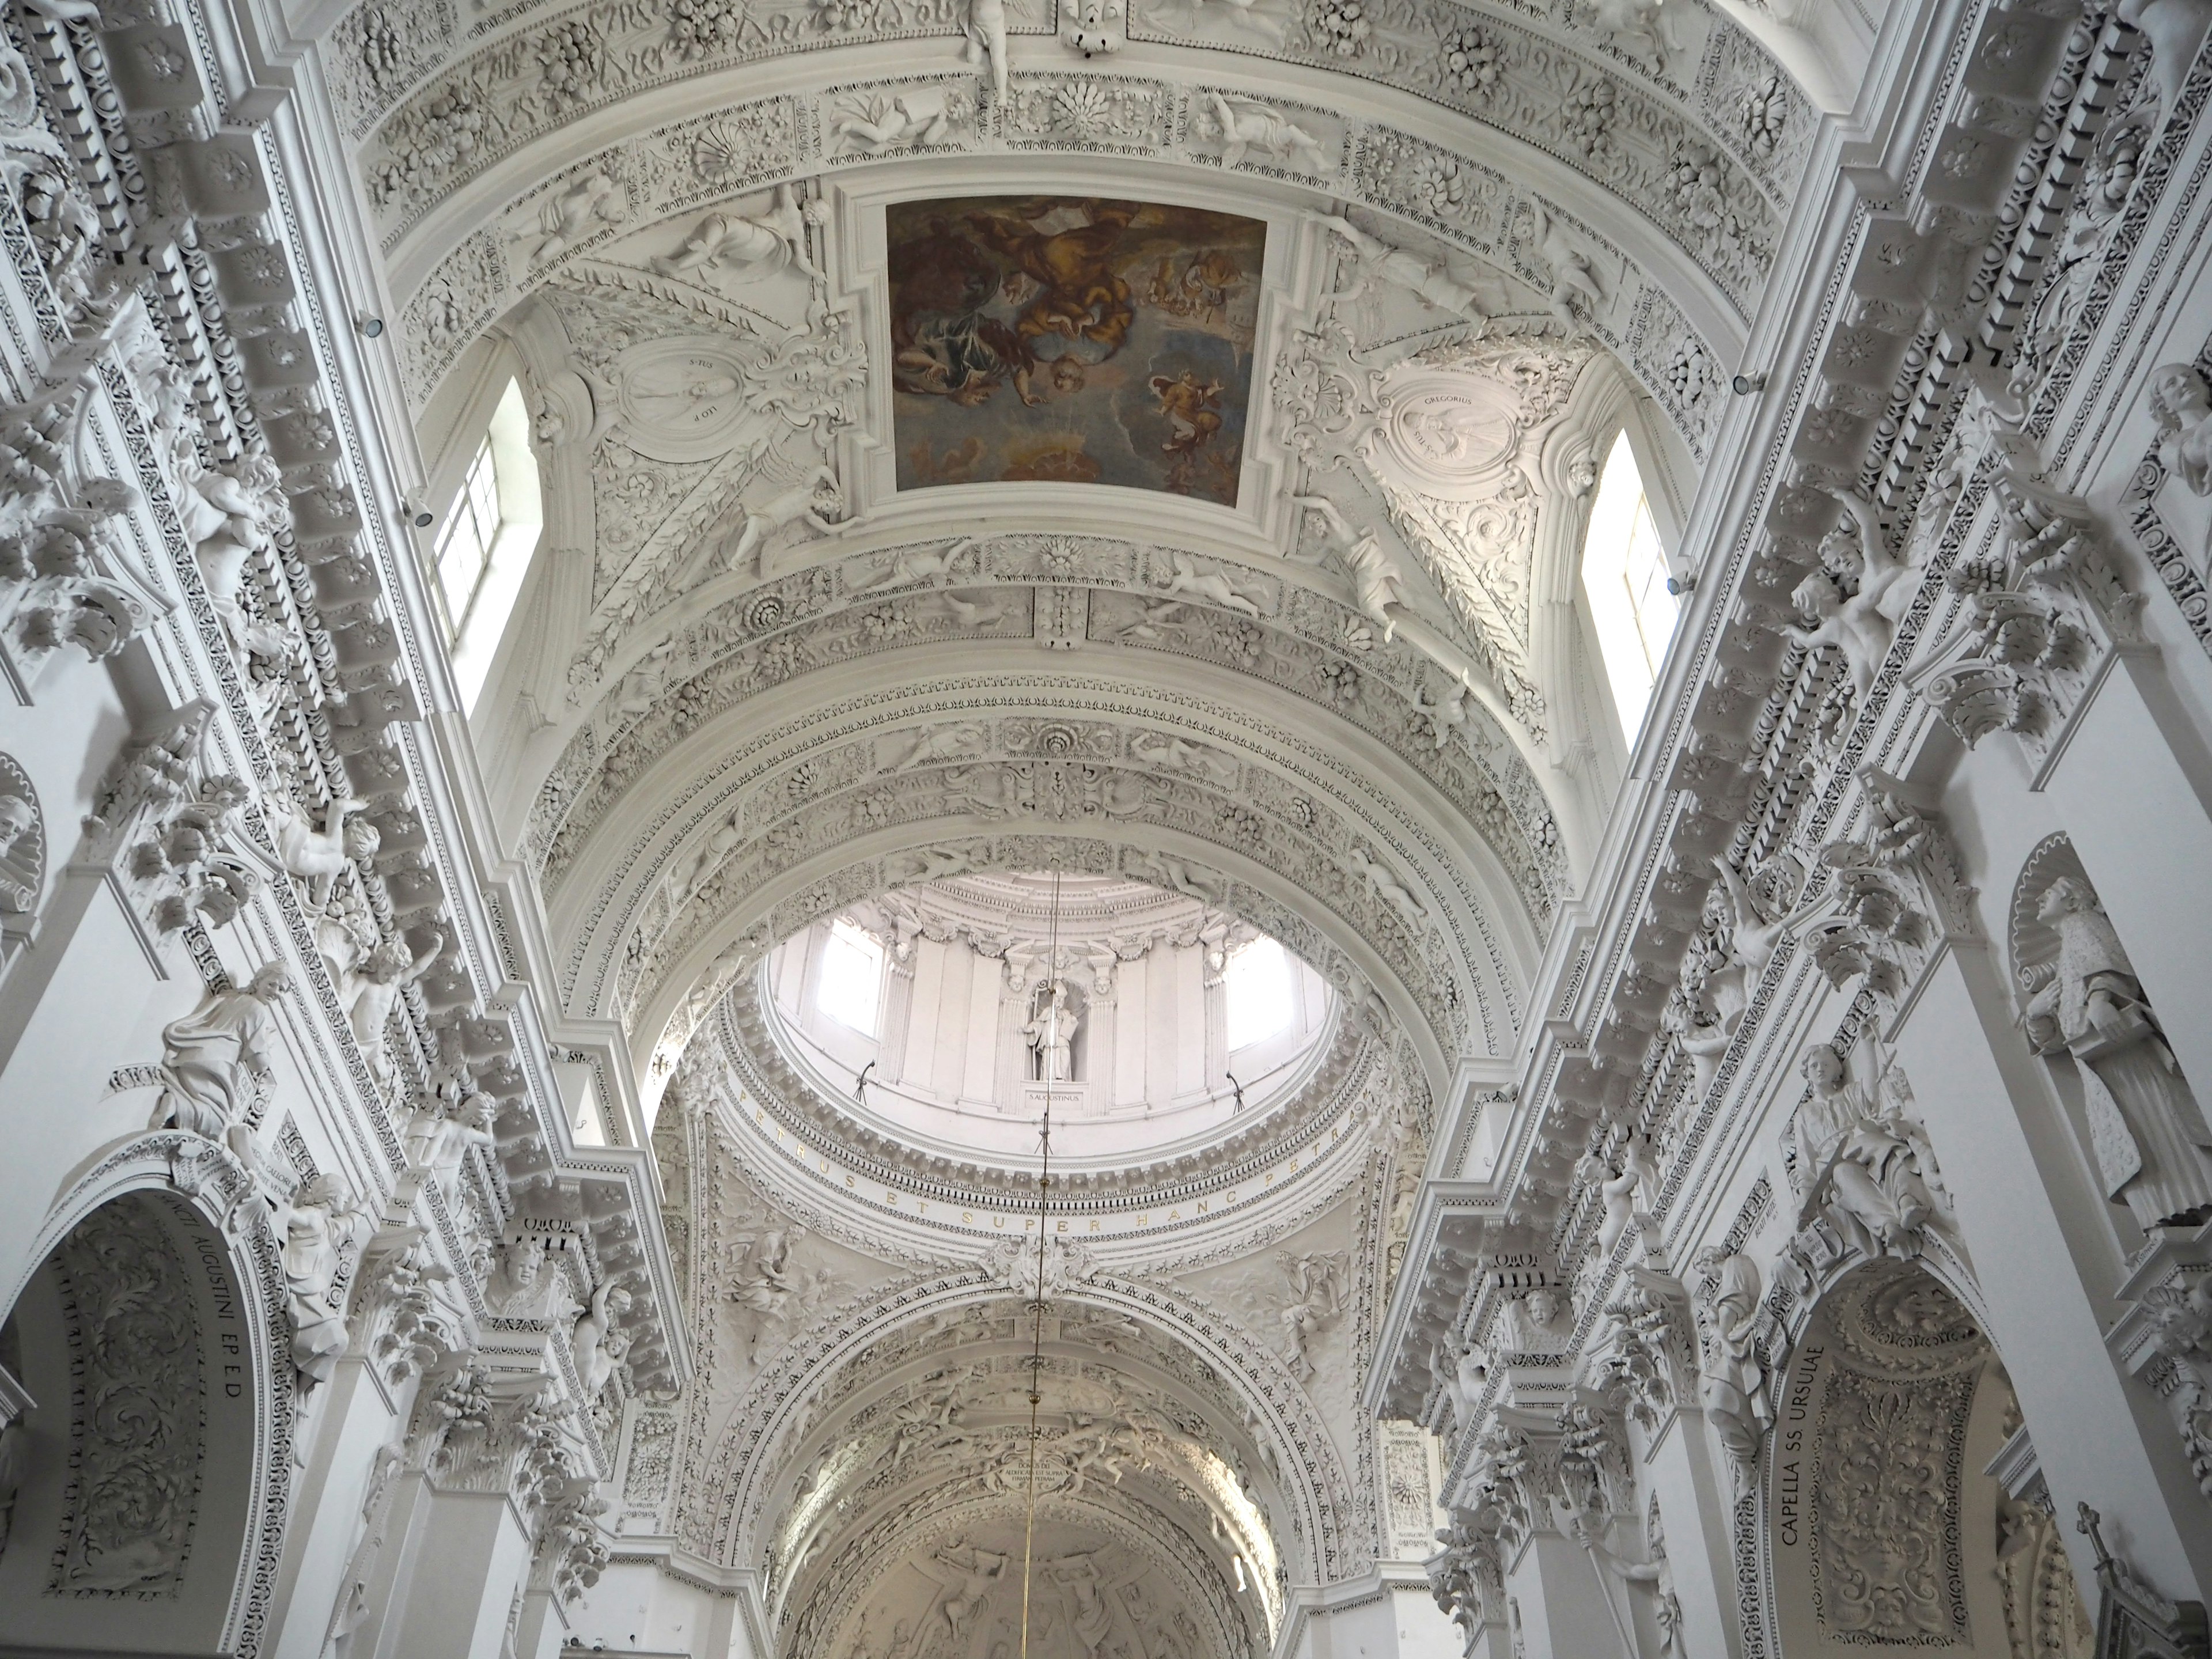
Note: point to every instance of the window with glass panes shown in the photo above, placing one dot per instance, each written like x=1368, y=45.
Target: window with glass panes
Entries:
x=464, y=554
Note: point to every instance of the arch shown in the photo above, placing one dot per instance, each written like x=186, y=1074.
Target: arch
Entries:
x=155, y=1347
x=756, y=1456
x=1282, y=843
x=1703, y=258
x=1883, y=1528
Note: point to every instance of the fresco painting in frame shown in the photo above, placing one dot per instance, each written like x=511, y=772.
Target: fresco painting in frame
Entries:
x=1074, y=340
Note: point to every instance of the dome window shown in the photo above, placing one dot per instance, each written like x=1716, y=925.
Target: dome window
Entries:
x=850, y=990
x=1257, y=984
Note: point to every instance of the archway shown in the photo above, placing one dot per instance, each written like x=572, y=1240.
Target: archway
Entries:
x=141, y=1349
x=1902, y=1514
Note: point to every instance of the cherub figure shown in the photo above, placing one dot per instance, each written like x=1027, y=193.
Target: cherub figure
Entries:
x=985, y=33
x=1193, y=411
x=318, y=856
x=1243, y=126
x=1447, y=713
x=1572, y=277
x=1862, y=625
x=912, y=567
x=373, y=989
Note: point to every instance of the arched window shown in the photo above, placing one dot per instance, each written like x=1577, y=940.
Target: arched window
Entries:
x=484, y=549
x=1625, y=580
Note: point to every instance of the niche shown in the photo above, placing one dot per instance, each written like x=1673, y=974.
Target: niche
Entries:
x=136, y=1469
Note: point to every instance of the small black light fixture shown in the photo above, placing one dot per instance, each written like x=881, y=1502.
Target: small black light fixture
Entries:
x=1744, y=385
x=370, y=324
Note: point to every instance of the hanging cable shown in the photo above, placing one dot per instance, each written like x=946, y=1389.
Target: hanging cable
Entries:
x=1036, y=1301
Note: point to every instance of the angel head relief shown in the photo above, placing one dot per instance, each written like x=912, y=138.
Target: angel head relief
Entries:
x=1074, y=341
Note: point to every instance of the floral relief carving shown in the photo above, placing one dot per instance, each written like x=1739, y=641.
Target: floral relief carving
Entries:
x=1885, y=1536
x=137, y=1415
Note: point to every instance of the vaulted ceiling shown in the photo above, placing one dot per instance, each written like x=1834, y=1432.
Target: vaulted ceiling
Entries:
x=779, y=655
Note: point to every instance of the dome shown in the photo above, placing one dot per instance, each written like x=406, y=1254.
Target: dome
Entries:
x=950, y=1014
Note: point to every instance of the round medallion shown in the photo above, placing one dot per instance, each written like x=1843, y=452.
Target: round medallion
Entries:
x=681, y=399
x=1445, y=434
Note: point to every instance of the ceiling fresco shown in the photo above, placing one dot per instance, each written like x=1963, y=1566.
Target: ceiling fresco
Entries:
x=1074, y=341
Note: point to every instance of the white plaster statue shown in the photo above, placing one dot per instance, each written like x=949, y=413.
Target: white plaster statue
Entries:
x=2181, y=405
x=229, y=515
x=370, y=989
x=1240, y=125
x=2147, y=1130
x=598, y=1344
x=915, y=566
x=1388, y=887
x=1867, y=1166
x=317, y=1223
x=1572, y=277
x=1704, y=1036
x=763, y=1282
x=1735, y=1378
x=1862, y=625
x=1378, y=260
x=316, y=856
x=19, y=819
x=1447, y=713
x=1539, y=1322
x=1751, y=942
x=1624, y=1194
x=1317, y=1292
x=927, y=1422
x=1377, y=588
x=211, y=1057
x=443, y=1126
x=687, y=876
x=572, y=216
x=734, y=247
x=1051, y=1036
x=985, y=33
x=2175, y=29
x=817, y=500
x=969, y=1589
x=1178, y=875
x=1464, y=1384
x=1169, y=749
x=1213, y=586
x=1093, y=1620
x=518, y=1286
